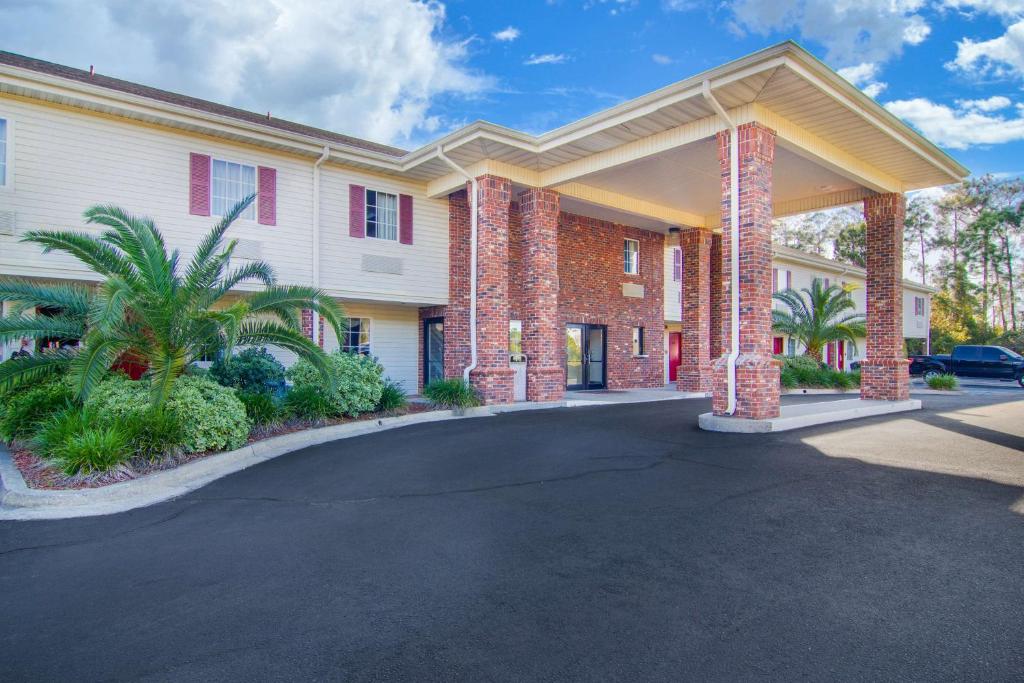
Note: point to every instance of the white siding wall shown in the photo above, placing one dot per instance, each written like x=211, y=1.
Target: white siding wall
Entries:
x=394, y=339
x=65, y=161
x=673, y=289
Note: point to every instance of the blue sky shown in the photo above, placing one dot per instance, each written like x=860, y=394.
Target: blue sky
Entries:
x=405, y=72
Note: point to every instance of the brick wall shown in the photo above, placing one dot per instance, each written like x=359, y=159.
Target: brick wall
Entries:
x=590, y=275
x=456, y=316
x=307, y=326
x=534, y=289
x=694, y=373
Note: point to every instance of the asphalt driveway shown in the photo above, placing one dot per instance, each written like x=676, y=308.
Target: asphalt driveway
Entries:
x=611, y=543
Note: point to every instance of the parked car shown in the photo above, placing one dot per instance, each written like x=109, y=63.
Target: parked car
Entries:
x=988, y=362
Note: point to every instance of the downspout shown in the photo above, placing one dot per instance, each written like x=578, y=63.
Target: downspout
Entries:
x=316, y=236
x=472, y=260
x=734, y=246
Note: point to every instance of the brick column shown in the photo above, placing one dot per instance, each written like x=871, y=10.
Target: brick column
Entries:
x=694, y=373
x=757, y=372
x=307, y=327
x=493, y=376
x=715, y=297
x=456, y=316
x=542, y=332
x=884, y=371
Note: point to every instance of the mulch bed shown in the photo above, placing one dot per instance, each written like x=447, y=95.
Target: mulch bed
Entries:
x=41, y=474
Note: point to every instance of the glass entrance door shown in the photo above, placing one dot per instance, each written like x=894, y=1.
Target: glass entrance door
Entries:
x=433, y=350
x=585, y=352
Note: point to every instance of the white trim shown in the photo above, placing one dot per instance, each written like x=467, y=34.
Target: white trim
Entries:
x=8, y=183
x=624, y=264
x=364, y=321
x=242, y=220
x=398, y=215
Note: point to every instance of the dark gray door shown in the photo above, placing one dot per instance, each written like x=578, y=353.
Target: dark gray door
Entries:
x=433, y=350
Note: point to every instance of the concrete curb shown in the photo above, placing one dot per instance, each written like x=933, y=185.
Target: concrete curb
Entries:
x=806, y=415
x=18, y=501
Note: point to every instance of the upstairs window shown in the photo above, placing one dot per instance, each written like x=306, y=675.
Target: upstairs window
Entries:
x=381, y=215
x=631, y=257
x=3, y=152
x=677, y=264
x=356, y=338
x=919, y=306
x=230, y=184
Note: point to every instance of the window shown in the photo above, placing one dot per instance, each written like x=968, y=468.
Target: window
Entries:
x=631, y=254
x=677, y=264
x=781, y=279
x=791, y=346
x=515, y=337
x=3, y=152
x=919, y=305
x=357, y=336
x=992, y=353
x=230, y=184
x=638, y=341
x=381, y=215
x=775, y=280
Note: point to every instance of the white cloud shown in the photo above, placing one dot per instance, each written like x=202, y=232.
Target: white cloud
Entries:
x=680, y=5
x=863, y=76
x=1001, y=57
x=852, y=31
x=661, y=59
x=959, y=127
x=308, y=60
x=507, y=35
x=994, y=103
x=548, y=58
x=1001, y=8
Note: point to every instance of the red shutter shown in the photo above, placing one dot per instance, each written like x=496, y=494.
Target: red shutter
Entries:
x=405, y=219
x=199, y=184
x=267, y=197
x=775, y=280
x=789, y=279
x=356, y=211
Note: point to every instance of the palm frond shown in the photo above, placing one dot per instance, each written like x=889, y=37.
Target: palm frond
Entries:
x=266, y=333
x=97, y=255
x=69, y=298
x=27, y=369
x=15, y=327
x=199, y=265
x=99, y=352
x=164, y=368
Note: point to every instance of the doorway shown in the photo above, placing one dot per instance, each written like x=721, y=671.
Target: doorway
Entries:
x=675, y=346
x=433, y=350
x=585, y=356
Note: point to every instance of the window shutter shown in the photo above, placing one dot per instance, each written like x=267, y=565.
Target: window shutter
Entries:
x=405, y=218
x=266, y=209
x=789, y=279
x=356, y=211
x=199, y=184
x=775, y=280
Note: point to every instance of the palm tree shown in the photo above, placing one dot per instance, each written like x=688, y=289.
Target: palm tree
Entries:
x=819, y=318
x=148, y=310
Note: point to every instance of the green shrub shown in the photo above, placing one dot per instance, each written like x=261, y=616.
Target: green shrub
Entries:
x=154, y=434
x=842, y=380
x=260, y=407
x=788, y=378
x=804, y=371
x=56, y=431
x=451, y=393
x=96, y=449
x=24, y=409
x=943, y=382
x=805, y=363
x=308, y=403
x=251, y=370
x=392, y=397
x=358, y=384
x=211, y=416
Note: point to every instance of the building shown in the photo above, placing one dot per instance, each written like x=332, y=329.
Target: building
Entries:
x=570, y=227
x=796, y=269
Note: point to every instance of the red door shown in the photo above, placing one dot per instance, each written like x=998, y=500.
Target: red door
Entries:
x=675, y=343
x=777, y=345
x=830, y=355
x=842, y=356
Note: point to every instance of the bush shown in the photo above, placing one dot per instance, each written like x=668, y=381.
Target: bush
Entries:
x=451, y=393
x=96, y=449
x=25, y=408
x=309, y=403
x=211, y=416
x=943, y=382
x=56, y=431
x=154, y=434
x=358, y=384
x=804, y=371
x=392, y=397
x=788, y=378
x=260, y=407
x=251, y=370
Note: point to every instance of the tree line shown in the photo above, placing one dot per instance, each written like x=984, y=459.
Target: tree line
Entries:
x=967, y=242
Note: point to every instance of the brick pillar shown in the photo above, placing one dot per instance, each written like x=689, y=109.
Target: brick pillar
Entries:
x=456, y=316
x=542, y=340
x=694, y=373
x=307, y=326
x=715, y=297
x=493, y=376
x=757, y=372
x=884, y=372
